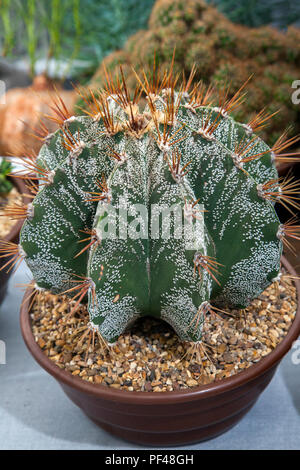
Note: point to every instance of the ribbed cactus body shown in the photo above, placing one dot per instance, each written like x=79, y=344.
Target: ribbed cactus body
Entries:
x=197, y=160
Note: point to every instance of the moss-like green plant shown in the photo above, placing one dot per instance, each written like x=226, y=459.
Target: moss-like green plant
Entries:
x=5, y=184
x=165, y=209
x=223, y=53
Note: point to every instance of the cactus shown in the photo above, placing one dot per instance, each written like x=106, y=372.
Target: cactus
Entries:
x=179, y=151
x=5, y=185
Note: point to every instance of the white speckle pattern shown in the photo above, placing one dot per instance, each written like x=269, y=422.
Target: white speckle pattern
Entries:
x=144, y=271
x=248, y=278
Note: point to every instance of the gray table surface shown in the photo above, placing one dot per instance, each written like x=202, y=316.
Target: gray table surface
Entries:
x=36, y=414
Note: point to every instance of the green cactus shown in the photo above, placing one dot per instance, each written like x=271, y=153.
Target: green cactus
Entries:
x=5, y=169
x=178, y=152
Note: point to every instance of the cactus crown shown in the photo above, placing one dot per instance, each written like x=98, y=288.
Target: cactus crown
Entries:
x=180, y=162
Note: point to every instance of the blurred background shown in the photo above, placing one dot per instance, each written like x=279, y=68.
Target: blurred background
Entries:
x=48, y=45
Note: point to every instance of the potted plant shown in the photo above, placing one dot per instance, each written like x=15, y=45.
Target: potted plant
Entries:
x=11, y=190
x=164, y=211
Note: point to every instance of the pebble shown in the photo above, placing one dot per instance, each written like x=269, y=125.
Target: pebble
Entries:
x=149, y=357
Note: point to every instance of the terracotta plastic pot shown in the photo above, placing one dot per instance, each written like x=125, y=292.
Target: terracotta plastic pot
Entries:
x=168, y=418
x=13, y=236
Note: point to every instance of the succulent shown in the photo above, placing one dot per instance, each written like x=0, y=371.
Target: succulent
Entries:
x=165, y=209
x=5, y=169
x=223, y=52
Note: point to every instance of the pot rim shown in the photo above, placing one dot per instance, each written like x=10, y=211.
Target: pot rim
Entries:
x=144, y=398
x=14, y=231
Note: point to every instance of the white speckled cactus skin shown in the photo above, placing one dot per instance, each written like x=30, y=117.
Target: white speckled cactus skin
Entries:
x=175, y=151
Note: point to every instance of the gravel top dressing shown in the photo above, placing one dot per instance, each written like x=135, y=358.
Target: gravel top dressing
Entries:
x=6, y=223
x=150, y=356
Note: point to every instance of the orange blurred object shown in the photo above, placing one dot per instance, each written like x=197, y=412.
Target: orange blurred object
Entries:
x=23, y=108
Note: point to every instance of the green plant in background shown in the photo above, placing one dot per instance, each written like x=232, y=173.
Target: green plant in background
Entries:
x=29, y=18
x=223, y=53
x=280, y=13
x=5, y=169
x=36, y=29
x=6, y=27
x=133, y=161
x=105, y=26
x=65, y=30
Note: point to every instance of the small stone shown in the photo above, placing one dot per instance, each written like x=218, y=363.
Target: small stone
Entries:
x=192, y=382
x=228, y=357
x=149, y=356
x=67, y=356
x=274, y=333
x=222, y=348
x=108, y=380
x=233, y=340
x=41, y=343
x=148, y=386
x=115, y=385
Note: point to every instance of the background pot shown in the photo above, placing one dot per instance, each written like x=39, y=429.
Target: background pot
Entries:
x=168, y=418
x=22, y=112
x=12, y=236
